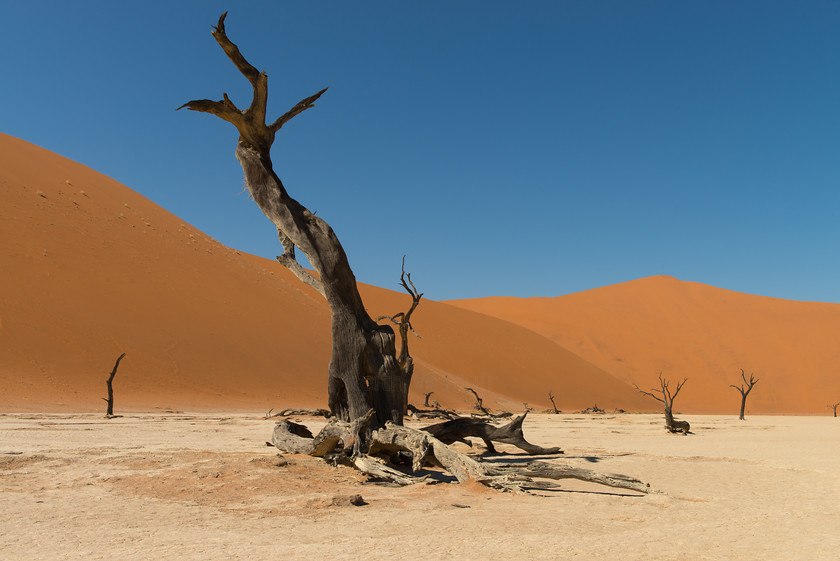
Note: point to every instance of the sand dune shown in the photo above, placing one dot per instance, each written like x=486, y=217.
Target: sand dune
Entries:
x=636, y=329
x=92, y=269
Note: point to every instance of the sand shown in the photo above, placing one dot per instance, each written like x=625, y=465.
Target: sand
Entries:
x=637, y=329
x=205, y=486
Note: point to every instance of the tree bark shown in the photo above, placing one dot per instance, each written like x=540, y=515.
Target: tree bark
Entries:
x=363, y=373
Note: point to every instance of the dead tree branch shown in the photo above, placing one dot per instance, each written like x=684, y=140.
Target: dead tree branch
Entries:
x=301, y=412
x=457, y=430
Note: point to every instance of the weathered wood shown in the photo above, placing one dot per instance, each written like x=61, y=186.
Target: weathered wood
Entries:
x=306, y=412
x=425, y=449
x=292, y=438
x=547, y=470
x=457, y=430
x=109, y=411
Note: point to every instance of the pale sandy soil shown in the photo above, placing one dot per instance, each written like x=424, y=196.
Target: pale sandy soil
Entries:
x=184, y=486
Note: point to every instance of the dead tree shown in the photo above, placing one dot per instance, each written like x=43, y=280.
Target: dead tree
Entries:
x=663, y=395
x=479, y=403
x=426, y=400
x=554, y=405
x=834, y=407
x=745, y=388
x=364, y=371
x=110, y=383
x=367, y=382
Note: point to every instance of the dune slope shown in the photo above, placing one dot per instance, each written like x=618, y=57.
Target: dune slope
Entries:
x=636, y=329
x=91, y=269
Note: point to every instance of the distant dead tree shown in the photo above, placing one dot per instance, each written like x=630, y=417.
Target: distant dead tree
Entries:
x=554, y=405
x=663, y=395
x=479, y=403
x=110, y=383
x=479, y=406
x=745, y=388
x=834, y=407
x=426, y=400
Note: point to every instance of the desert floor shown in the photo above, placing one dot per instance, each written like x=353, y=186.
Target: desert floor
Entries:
x=188, y=486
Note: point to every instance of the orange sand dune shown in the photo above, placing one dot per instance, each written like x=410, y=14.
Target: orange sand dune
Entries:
x=91, y=269
x=636, y=329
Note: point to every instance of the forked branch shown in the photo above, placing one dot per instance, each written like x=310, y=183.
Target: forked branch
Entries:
x=403, y=319
x=251, y=122
x=746, y=387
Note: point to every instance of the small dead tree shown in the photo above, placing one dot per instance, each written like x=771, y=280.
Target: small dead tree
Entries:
x=479, y=403
x=426, y=400
x=834, y=407
x=110, y=383
x=663, y=395
x=553, y=405
x=745, y=388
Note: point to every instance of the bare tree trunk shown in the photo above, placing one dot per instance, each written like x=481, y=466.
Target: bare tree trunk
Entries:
x=110, y=383
x=745, y=388
x=364, y=372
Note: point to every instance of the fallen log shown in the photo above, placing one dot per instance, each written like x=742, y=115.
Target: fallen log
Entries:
x=307, y=412
x=457, y=430
x=436, y=413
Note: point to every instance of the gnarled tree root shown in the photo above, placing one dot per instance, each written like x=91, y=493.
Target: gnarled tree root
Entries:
x=340, y=442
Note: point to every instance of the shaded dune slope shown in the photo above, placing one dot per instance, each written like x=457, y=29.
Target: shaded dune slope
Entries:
x=636, y=329
x=91, y=269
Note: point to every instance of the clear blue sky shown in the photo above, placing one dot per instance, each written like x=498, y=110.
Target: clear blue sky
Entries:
x=508, y=148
